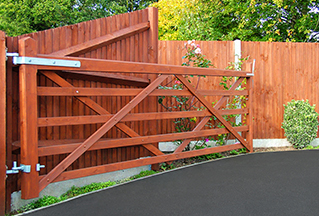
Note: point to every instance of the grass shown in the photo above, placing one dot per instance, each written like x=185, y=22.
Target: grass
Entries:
x=311, y=147
x=76, y=191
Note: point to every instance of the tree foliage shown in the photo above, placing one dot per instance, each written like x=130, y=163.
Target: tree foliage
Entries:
x=248, y=20
x=25, y=16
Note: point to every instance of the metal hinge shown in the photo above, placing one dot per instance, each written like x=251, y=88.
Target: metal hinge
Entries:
x=16, y=59
x=15, y=169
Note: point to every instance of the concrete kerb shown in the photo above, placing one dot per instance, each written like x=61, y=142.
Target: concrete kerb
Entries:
x=132, y=181
x=257, y=143
x=58, y=188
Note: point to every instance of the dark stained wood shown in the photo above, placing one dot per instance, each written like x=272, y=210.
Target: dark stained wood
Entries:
x=9, y=123
x=212, y=110
x=76, y=120
x=249, y=116
x=143, y=68
x=99, y=133
x=140, y=162
x=28, y=120
x=125, y=142
x=3, y=112
x=102, y=41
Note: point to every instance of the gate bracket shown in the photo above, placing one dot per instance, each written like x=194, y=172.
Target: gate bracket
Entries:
x=39, y=166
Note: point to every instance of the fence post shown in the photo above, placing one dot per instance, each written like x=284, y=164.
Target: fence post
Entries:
x=3, y=122
x=153, y=58
x=249, y=136
x=28, y=119
x=237, y=54
x=249, y=105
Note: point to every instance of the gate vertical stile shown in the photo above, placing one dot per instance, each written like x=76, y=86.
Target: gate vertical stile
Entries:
x=28, y=119
x=249, y=136
x=2, y=123
x=153, y=58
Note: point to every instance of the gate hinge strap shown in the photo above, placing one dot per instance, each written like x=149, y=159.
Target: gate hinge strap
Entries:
x=16, y=59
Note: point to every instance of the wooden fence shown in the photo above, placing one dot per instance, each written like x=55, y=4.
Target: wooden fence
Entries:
x=129, y=37
x=101, y=114
x=283, y=71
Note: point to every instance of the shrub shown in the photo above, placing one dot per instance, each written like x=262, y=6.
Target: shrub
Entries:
x=300, y=123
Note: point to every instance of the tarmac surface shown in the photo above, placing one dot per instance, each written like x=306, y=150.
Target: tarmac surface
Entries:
x=277, y=183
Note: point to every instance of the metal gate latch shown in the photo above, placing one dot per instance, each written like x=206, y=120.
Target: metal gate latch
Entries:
x=22, y=167
x=39, y=166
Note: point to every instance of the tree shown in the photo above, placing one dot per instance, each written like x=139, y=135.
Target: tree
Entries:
x=25, y=16
x=250, y=20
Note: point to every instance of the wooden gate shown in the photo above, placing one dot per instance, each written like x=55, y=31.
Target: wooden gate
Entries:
x=35, y=65
x=32, y=183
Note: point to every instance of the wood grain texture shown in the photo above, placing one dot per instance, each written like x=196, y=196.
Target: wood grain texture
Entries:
x=9, y=124
x=98, y=134
x=3, y=112
x=93, y=65
x=28, y=120
x=140, y=162
x=96, y=107
x=67, y=91
x=125, y=142
x=212, y=110
x=93, y=119
x=99, y=42
x=58, y=107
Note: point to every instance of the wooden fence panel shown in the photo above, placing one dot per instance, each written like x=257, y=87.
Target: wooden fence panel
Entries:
x=141, y=47
x=283, y=71
x=3, y=122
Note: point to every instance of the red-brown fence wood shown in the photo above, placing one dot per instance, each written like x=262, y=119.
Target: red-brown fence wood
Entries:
x=140, y=47
x=28, y=119
x=283, y=71
x=88, y=147
x=2, y=123
x=83, y=121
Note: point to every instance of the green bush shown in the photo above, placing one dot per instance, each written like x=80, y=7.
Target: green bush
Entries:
x=300, y=123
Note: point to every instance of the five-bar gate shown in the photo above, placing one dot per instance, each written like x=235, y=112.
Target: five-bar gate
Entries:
x=52, y=66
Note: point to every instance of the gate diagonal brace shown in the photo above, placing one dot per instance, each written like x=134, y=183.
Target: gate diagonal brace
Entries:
x=54, y=173
x=212, y=110
x=98, y=109
x=203, y=122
